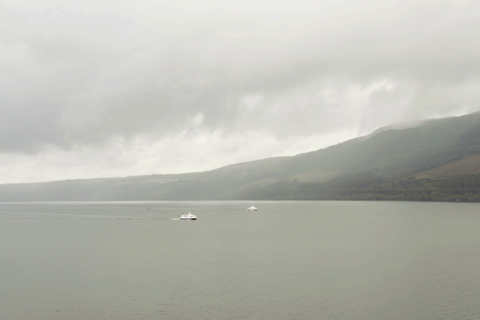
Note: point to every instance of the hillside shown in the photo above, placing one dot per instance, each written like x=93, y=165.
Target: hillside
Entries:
x=469, y=165
x=434, y=160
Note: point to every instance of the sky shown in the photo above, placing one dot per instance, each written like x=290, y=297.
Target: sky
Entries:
x=118, y=88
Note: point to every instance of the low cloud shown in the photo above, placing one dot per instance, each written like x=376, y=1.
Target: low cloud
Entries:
x=74, y=79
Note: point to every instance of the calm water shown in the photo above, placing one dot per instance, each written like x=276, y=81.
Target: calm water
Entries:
x=289, y=260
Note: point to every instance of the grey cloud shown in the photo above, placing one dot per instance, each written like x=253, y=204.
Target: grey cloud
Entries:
x=74, y=79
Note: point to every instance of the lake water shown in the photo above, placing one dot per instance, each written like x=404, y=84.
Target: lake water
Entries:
x=289, y=260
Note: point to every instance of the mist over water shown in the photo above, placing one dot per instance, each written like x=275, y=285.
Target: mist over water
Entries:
x=289, y=260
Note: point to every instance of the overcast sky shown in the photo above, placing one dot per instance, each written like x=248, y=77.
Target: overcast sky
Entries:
x=111, y=88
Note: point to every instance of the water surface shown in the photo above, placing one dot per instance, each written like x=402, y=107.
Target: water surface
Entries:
x=289, y=260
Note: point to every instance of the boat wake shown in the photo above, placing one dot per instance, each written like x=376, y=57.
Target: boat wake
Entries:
x=11, y=215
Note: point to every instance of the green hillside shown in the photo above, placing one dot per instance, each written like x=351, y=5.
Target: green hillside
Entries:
x=391, y=165
x=466, y=166
x=437, y=160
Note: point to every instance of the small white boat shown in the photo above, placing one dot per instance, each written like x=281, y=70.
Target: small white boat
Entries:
x=188, y=216
x=252, y=208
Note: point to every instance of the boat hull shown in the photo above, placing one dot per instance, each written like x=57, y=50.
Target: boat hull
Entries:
x=188, y=216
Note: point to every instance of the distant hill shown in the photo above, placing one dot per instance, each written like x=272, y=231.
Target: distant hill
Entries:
x=469, y=165
x=435, y=160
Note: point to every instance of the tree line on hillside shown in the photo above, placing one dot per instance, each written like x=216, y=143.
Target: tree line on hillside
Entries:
x=465, y=188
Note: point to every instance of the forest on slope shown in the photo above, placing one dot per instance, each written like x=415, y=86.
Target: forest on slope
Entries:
x=436, y=160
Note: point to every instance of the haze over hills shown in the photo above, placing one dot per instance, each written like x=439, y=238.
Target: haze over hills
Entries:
x=435, y=160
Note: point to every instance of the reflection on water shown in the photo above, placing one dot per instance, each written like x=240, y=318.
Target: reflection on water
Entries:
x=289, y=260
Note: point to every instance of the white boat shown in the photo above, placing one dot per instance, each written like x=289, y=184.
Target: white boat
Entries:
x=252, y=208
x=188, y=216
